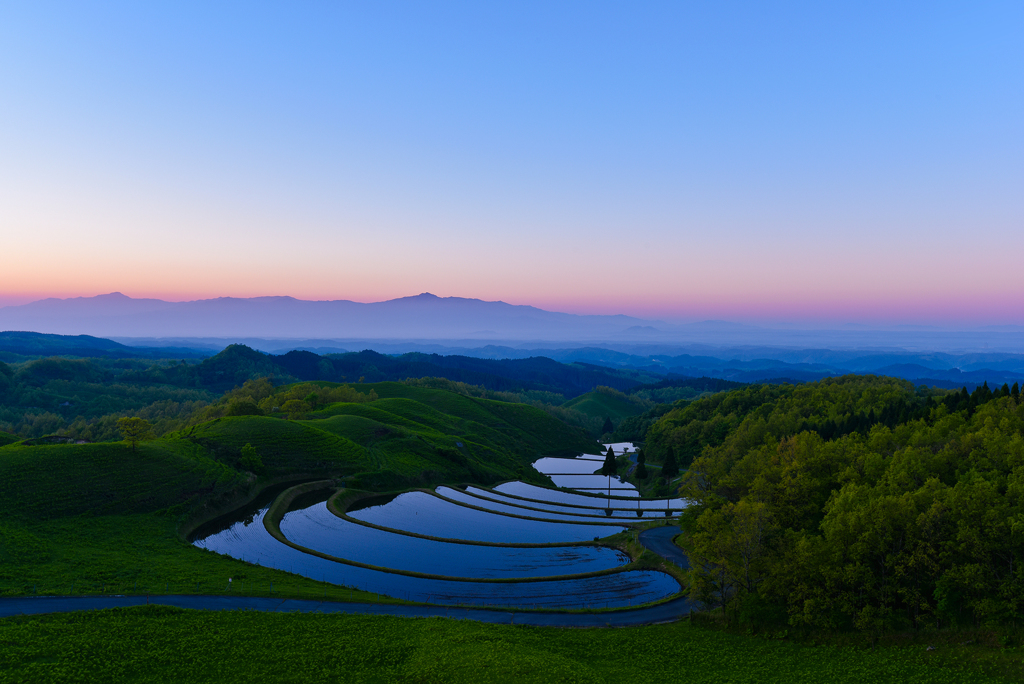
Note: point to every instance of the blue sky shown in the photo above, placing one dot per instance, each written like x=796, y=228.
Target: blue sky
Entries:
x=750, y=161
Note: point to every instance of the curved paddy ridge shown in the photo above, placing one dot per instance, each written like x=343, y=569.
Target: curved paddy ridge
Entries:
x=250, y=541
x=318, y=529
x=596, y=515
x=426, y=514
x=460, y=543
x=548, y=495
x=620, y=508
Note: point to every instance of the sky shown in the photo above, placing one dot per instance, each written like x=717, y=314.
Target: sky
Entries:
x=842, y=162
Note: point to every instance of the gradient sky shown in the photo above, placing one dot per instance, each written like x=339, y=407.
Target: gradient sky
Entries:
x=782, y=161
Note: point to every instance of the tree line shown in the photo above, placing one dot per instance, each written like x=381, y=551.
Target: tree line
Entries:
x=856, y=502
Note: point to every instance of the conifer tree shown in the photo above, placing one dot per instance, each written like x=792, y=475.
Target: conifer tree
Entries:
x=641, y=467
x=608, y=427
x=609, y=463
x=670, y=468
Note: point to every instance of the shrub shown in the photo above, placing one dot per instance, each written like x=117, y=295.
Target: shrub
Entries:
x=251, y=460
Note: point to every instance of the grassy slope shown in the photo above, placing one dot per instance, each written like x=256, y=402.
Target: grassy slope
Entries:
x=53, y=481
x=98, y=517
x=600, y=405
x=166, y=644
x=411, y=435
x=284, y=446
x=528, y=429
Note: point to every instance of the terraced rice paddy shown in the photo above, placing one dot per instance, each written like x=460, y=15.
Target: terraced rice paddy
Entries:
x=451, y=546
x=620, y=508
x=533, y=492
x=250, y=540
x=317, y=528
x=425, y=514
x=578, y=473
x=581, y=514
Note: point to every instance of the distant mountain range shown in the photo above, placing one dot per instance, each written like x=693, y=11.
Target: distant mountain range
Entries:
x=454, y=326
x=460, y=322
x=424, y=316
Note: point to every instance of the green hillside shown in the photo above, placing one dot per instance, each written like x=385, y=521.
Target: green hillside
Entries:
x=413, y=435
x=284, y=446
x=60, y=480
x=102, y=517
x=604, y=402
x=526, y=429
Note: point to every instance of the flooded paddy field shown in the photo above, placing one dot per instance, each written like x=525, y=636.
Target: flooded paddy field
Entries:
x=579, y=515
x=578, y=473
x=317, y=528
x=568, y=466
x=423, y=513
x=467, y=529
x=529, y=491
x=249, y=540
x=620, y=508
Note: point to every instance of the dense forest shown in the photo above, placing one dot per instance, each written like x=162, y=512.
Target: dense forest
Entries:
x=854, y=502
x=79, y=386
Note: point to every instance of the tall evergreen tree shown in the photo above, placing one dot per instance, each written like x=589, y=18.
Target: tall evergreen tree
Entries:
x=641, y=465
x=608, y=428
x=609, y=467
x=670, y=468
x=1015, y=392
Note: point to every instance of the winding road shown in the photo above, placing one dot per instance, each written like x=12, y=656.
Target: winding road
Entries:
x=658, y=540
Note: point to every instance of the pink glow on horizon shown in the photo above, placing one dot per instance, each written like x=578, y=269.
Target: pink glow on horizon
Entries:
x=960, y=309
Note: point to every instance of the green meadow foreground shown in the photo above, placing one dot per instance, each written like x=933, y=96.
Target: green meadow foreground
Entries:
x=153, y=644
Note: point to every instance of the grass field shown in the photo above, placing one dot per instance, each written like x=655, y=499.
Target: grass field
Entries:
x=150, y=644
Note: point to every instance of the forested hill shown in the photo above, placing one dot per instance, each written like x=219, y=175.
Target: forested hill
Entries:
x=17, y=346
x=239, y=363
x=43, y=396
x=854, y=502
